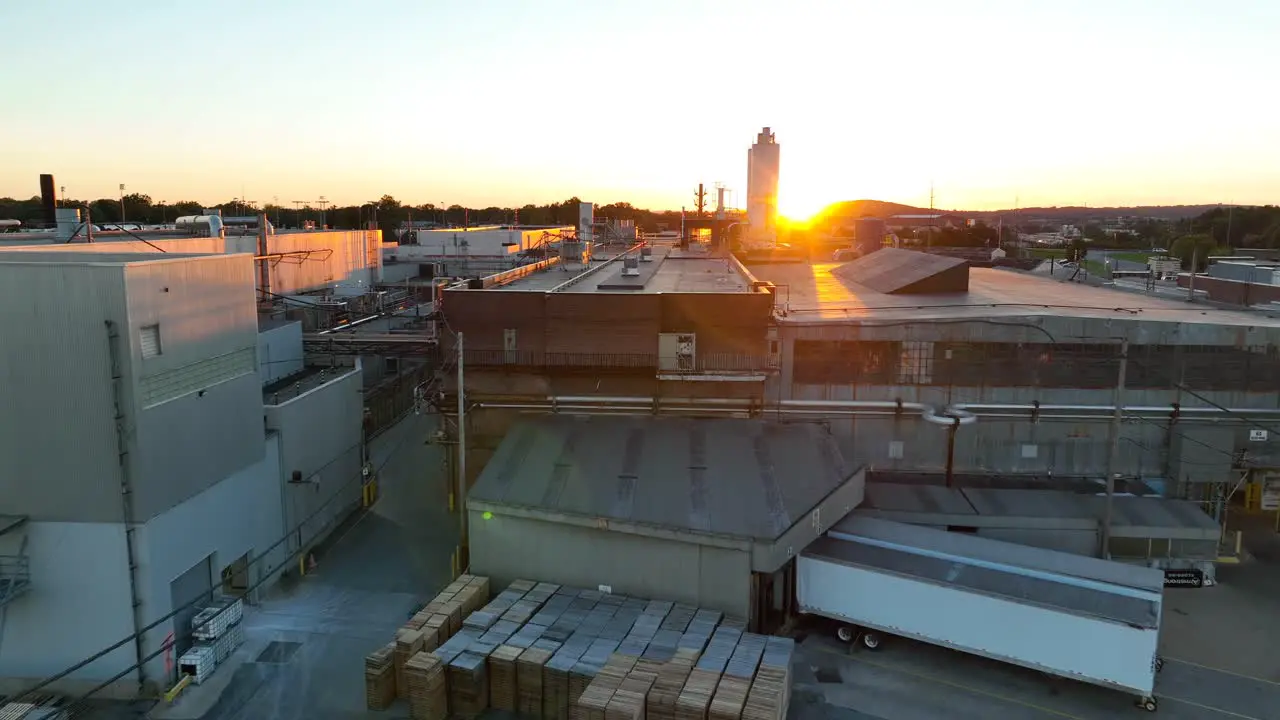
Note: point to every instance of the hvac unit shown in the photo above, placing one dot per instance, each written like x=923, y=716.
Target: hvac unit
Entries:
x=630, y=267
x=677, y=352
x=646, y=254
x=773, y=356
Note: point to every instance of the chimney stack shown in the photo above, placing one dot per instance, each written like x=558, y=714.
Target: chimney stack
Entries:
x=49, y=199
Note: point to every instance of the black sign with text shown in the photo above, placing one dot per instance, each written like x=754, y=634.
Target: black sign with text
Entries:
x=1184, y=578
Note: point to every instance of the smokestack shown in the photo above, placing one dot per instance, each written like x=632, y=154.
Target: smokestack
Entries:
x=49, y=199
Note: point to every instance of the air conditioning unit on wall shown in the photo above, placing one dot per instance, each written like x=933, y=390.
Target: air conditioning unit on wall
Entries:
x=677, y=352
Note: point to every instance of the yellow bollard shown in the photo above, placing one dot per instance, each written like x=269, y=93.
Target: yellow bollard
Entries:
x=177, y=689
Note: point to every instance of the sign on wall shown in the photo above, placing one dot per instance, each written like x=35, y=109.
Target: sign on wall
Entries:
x=1184, y=578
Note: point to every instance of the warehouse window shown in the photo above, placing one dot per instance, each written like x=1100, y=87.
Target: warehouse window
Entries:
x=845, y=362
x=149, y=338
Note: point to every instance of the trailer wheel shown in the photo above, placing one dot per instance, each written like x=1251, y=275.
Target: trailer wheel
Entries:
x=1148, y=704
x=845, y=633
x=871, y=640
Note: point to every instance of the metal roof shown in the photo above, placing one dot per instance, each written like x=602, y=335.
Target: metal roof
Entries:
x=1043, y=590
x=904, y=272
x=983, y=550
x=1144, y=517
x=736, y=478
x=816, y=295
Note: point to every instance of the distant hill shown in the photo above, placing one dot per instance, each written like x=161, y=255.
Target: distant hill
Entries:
x=872, y=208
x=1069, y=214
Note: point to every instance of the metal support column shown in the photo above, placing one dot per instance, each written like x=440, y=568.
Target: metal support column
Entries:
x=126, y=496
x=1113, y=451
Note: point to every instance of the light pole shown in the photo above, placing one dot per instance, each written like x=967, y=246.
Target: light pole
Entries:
x=121, y=203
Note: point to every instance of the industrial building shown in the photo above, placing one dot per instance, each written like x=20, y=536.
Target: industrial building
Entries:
x=985, y=390
x=700, y=511
x=764, y=160
x=163, y=443
x=468, y=251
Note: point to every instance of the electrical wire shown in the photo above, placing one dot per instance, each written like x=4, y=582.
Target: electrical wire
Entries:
x=261, y=556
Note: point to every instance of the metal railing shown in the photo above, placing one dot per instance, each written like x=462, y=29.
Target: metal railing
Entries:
x=15, y=577
x=702, y=363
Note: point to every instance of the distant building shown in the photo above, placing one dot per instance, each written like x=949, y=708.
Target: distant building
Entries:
x=763, y=161
x=924, y=220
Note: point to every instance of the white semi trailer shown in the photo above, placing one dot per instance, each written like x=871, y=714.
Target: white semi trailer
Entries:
x=1067, y=615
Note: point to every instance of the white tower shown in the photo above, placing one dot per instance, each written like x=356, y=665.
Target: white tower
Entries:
x=762, y=187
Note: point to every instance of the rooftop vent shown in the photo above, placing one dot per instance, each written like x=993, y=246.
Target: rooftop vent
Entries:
x=630, y=267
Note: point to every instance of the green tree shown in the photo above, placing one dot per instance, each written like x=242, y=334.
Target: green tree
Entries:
x=1198, y=247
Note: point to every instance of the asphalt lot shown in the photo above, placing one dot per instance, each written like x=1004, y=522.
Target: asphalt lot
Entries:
x=1220, y=643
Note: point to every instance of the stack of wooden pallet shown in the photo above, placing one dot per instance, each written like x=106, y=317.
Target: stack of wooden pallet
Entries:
x=696, y=694
x=529, y=681
x=408, y=643
x=425, y=677
x=380, y=678
x=502, y=677
x=628, y=701
x=468, y=685
x=661, y=704
x=595, y=698
x=770, y=695
x=735, y=684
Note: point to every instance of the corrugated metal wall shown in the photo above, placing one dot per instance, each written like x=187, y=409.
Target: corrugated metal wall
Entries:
x=506, y=548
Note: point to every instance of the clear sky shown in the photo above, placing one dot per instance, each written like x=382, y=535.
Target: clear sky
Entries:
x=496, y=102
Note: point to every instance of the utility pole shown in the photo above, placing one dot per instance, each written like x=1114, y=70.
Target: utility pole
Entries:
x=701, y=197
x=297, y=213
x=1191, y=281
x=1114, y=449
x=121, y=203
x=462, y=455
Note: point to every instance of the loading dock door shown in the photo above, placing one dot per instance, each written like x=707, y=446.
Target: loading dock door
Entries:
x=193, y=585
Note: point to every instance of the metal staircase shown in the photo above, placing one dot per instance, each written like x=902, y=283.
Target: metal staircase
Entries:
x=15, y=569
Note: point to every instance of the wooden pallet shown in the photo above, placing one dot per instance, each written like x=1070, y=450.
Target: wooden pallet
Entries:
x=468, y=678
x=380, y=678
x=529, y=668
x=502, y=677
x=408, y=642
x=661, y=703
x=427, y=692
x=730, y=697
x=695, y=697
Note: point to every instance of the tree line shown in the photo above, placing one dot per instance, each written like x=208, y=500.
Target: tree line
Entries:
x=388, y=212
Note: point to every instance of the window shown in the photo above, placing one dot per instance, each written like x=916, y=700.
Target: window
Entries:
x=844, y=362
x=149, y=338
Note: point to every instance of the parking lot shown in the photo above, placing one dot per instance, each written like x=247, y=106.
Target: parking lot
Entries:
x=1219, y=646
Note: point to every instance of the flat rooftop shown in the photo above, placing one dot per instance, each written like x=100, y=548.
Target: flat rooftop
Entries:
x=670, y=271
x=1140, y=517
x=816, y=295
x=746, y=479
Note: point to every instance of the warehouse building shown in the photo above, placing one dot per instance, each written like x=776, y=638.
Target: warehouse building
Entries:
x=921, y=365
x=150, y=456
x=705, y=512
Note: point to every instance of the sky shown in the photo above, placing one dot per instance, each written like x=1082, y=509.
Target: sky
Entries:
x=992, y=104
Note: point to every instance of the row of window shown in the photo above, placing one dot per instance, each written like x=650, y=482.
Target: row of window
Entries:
x=1204, y=367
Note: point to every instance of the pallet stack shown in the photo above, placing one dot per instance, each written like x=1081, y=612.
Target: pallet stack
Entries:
x=529, y=668
x=502, y=677
x=770, y=696
x=408, y=643
x=468, y=680
x=594, y=702
x=426, y=688
x=628, y=701
x=661, y=703
x=735, y=682
x=380, y=678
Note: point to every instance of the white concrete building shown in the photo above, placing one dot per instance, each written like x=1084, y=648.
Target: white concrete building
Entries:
x=144, y=467
x=763, y=160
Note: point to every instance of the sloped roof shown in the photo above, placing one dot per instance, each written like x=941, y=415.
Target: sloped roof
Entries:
x=902, y=272
x=730, y=477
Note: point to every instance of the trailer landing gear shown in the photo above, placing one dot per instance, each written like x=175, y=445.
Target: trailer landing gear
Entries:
x=1148, y=703
x=849, y=634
